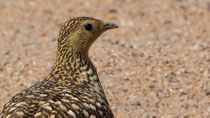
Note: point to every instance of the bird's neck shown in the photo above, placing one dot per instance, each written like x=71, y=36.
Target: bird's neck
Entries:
x=74, y=64
x=76, y=69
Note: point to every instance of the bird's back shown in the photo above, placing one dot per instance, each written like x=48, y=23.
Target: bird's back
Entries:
x=58, y=98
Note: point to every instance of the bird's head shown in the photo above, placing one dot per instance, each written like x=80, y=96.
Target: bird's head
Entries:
x=79, y=33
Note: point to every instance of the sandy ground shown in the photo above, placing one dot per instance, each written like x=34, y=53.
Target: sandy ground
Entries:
x=156, y=65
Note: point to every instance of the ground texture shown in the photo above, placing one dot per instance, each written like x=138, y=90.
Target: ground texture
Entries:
x=156, y=65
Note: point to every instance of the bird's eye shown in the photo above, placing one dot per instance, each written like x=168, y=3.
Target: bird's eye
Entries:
x=88, y=27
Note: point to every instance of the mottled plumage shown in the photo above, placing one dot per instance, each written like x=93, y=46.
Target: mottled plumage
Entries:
x=72, y=89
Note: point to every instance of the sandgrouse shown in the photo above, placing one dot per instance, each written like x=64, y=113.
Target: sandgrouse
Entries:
x=72, y=89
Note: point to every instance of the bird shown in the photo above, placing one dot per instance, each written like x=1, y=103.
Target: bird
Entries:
x=73, y=88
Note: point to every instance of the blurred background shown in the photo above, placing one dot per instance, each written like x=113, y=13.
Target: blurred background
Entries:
x=156, y=65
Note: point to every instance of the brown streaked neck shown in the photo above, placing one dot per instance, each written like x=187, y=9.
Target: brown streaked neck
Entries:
x=73, y=59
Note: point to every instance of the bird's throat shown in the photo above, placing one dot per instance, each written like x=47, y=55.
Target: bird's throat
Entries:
x=74, y=64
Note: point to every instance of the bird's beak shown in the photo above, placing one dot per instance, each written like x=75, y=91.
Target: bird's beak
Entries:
x=109, y=26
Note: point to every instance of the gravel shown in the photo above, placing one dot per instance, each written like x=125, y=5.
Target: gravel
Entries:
x=156, y=64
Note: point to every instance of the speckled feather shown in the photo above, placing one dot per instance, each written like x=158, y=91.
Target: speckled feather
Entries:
x=72, y=89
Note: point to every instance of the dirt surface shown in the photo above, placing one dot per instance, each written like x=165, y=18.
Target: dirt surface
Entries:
x=156, y=65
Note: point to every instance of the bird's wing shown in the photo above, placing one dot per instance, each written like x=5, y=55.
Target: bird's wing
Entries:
x=66, y=103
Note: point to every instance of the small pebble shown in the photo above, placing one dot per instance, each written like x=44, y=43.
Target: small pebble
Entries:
x=113, y=107
x=112, y=10
x=118, y=103
x=126, y=79
x=182, y=93
x=151, y=86
x=208, y=5
x=1, y=69
x=125, y=109
x=133, y=46
x=207, y=91
x=54, y=39
x=136, y=103
x=7, y=52
x=111, y=85
x=124, y=89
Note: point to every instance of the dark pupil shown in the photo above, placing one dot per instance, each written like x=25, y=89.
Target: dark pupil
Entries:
x=88, y=27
